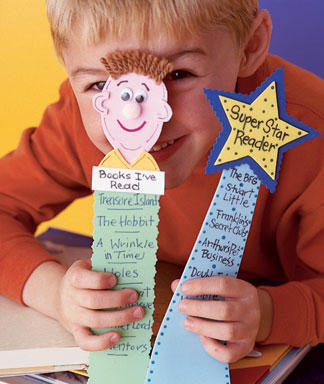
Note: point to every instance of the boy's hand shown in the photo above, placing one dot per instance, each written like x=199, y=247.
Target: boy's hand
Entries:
x=82, y=295
x=237, y=317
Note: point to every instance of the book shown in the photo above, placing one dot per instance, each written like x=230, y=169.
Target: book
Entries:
x=64, y=377
x=286, y=365
x=31, y=342
x=272, y=367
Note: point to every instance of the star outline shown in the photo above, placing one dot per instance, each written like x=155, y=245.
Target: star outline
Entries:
x=213, y=97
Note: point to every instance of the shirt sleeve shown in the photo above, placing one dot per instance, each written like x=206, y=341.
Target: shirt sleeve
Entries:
x=37, y=181
x=298, y=316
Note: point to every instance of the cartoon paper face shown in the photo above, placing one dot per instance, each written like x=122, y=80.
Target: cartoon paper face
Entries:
x=133, y=109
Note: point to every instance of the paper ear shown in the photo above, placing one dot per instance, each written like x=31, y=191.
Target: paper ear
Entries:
x=100, y=101
x=166, y=113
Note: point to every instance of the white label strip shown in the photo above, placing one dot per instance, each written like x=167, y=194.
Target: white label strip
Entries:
x=127, y=180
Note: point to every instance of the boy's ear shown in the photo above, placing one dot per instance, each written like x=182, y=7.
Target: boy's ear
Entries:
x=256, y=47
x=100, y=101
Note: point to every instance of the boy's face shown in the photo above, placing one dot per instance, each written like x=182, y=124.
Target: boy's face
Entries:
x=211, y=60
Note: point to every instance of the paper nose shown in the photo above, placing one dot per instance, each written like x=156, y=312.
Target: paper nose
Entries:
x=131, y=111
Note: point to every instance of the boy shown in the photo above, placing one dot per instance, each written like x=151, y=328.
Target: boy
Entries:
x=220, y=44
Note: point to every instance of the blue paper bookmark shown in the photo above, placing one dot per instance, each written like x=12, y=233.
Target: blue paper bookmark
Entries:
x=256, y=132
x=218, y=251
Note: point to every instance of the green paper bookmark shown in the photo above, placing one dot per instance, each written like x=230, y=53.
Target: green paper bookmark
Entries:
x=127, y=183
x=124, y=243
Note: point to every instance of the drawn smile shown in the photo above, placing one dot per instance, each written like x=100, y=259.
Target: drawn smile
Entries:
x=131, y=130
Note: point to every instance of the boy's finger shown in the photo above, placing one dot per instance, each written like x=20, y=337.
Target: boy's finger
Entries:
x=174, y=284
x=228, y=331
x=81, y=276
x=108, y=319
x=104, y=299
x=90, y=342
x=228, y=353
x=216, y=285
x=216, y=310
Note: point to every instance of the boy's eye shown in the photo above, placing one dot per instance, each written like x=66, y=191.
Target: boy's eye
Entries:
x=126, y=94
x=178, y=75
x=98, y=86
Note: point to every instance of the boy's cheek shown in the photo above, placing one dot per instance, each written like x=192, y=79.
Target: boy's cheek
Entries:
x=100, y=141
x=93, y=128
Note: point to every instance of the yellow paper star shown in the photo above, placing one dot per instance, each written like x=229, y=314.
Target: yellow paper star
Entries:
x=257, y=129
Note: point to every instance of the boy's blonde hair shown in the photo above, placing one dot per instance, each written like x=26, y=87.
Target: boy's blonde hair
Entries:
x=176, y=18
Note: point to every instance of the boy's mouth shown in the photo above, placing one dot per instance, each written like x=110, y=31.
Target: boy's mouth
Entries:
x=163, y=150
x=158, y=146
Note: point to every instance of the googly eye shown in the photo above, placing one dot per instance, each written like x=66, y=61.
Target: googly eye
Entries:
x=126, y=94
x=140, y=96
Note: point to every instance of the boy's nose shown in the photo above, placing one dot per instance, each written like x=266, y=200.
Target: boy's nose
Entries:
x=132, y=111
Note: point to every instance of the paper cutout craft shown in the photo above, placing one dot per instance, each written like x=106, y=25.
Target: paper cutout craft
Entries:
x=249, y=149
x=256, y=130
x=127, y=184
x=133, y=106
x=178, y=355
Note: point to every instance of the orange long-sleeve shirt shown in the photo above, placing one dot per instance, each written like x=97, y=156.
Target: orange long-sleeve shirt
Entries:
x=52, y=167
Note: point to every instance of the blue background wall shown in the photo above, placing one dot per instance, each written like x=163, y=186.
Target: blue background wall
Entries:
x=298, y=32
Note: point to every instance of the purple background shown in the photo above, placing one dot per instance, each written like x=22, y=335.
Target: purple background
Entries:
x=298, y=32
